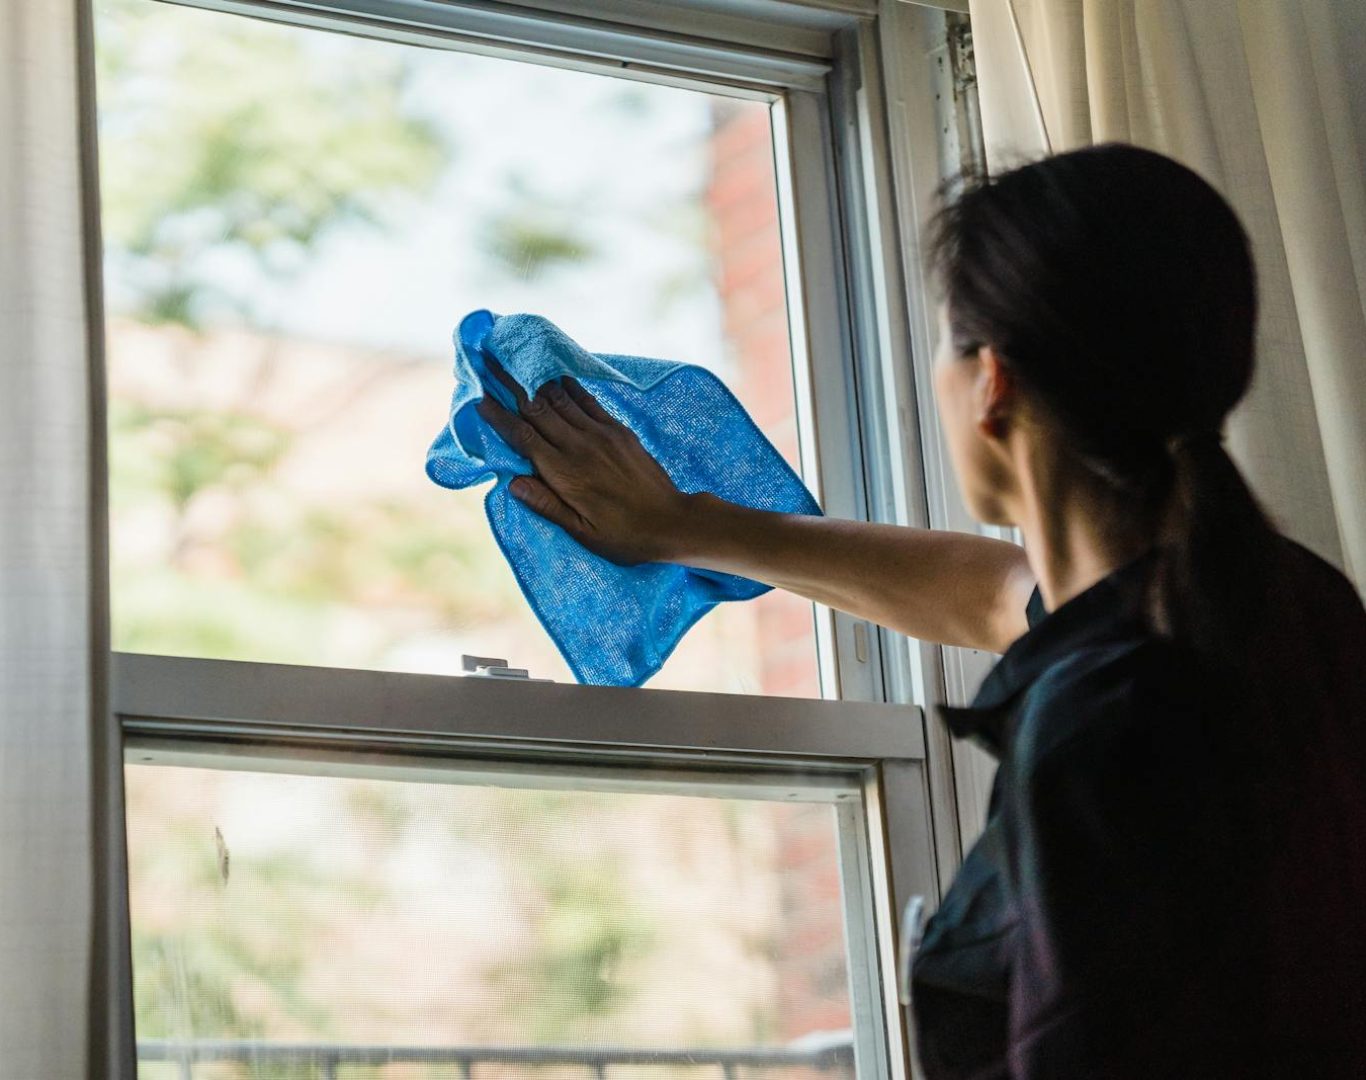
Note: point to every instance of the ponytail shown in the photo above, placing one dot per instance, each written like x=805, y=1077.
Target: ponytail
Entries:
x=1217, y=553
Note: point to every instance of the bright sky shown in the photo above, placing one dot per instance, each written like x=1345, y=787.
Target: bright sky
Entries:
x=627, y=159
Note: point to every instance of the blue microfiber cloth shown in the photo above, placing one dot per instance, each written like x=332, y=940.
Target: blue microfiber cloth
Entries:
x=615, y=625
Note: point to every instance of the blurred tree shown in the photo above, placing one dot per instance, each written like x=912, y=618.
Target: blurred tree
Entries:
x=535, y=233
x=527, y=243
x=213, y=184
x=181, y=452
x=210, y=974
x=588, y=932
x=207, y=174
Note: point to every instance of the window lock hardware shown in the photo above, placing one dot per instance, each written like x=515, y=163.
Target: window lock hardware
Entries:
x=493, y=667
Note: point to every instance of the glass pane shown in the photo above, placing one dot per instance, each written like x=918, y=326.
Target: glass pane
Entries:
x=295, y=220
x=285, y=925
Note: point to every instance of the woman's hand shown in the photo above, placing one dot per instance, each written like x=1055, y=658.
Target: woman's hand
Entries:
x=593, y=478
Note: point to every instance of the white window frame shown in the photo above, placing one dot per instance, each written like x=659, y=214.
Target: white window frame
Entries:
x=931, y=49
x=861, y=139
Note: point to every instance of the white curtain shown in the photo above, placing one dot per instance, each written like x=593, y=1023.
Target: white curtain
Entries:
x=1255, y=95
x=58, y=769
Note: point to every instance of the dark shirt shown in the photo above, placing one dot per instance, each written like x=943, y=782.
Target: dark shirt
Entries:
x=1171, y=881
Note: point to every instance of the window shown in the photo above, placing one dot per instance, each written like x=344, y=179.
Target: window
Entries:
x=284, y=282
x=345, y=860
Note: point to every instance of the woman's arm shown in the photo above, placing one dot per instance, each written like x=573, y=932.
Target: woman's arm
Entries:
x=949, y=587
x=595, y=480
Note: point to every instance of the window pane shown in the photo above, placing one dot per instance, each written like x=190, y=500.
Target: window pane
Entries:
x=294, y=222
x=531, y=932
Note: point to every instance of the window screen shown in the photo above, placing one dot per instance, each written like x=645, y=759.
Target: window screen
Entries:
x=291, y=925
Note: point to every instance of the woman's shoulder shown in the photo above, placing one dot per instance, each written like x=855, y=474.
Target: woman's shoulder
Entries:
x=1128, y=690
x=1141, y=682
x=1122, y=696
x=1325, y=594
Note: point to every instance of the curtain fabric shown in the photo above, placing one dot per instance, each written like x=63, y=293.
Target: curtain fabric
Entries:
x=1254, y=95
x=58, y=770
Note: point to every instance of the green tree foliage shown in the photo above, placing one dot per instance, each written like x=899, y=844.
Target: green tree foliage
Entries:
x=590, y=933
x=214, y=183
x=180, y=452
x=586, y=936
x=533, y=233
x=526, y=244
x=200, y=163
x=213, y=974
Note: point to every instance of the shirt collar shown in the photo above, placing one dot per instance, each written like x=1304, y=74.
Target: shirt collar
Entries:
x=1109, y=609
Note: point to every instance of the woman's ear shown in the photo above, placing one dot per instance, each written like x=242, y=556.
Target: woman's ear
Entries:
x=994, y=394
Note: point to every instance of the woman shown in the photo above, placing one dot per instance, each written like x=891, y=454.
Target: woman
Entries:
x=1172, y=879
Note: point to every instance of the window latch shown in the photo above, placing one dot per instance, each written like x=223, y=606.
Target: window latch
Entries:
x=493, y=667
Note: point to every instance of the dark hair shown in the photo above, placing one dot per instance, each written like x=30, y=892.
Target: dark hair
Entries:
x=1118, y=286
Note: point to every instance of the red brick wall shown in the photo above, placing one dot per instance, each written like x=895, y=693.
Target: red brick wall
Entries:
x=742, y=198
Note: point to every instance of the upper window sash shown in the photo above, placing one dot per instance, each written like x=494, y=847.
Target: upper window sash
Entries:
x=826, y=123
x=660, y=42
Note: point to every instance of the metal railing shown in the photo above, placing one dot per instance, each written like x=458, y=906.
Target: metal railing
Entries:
x=834, y=1055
